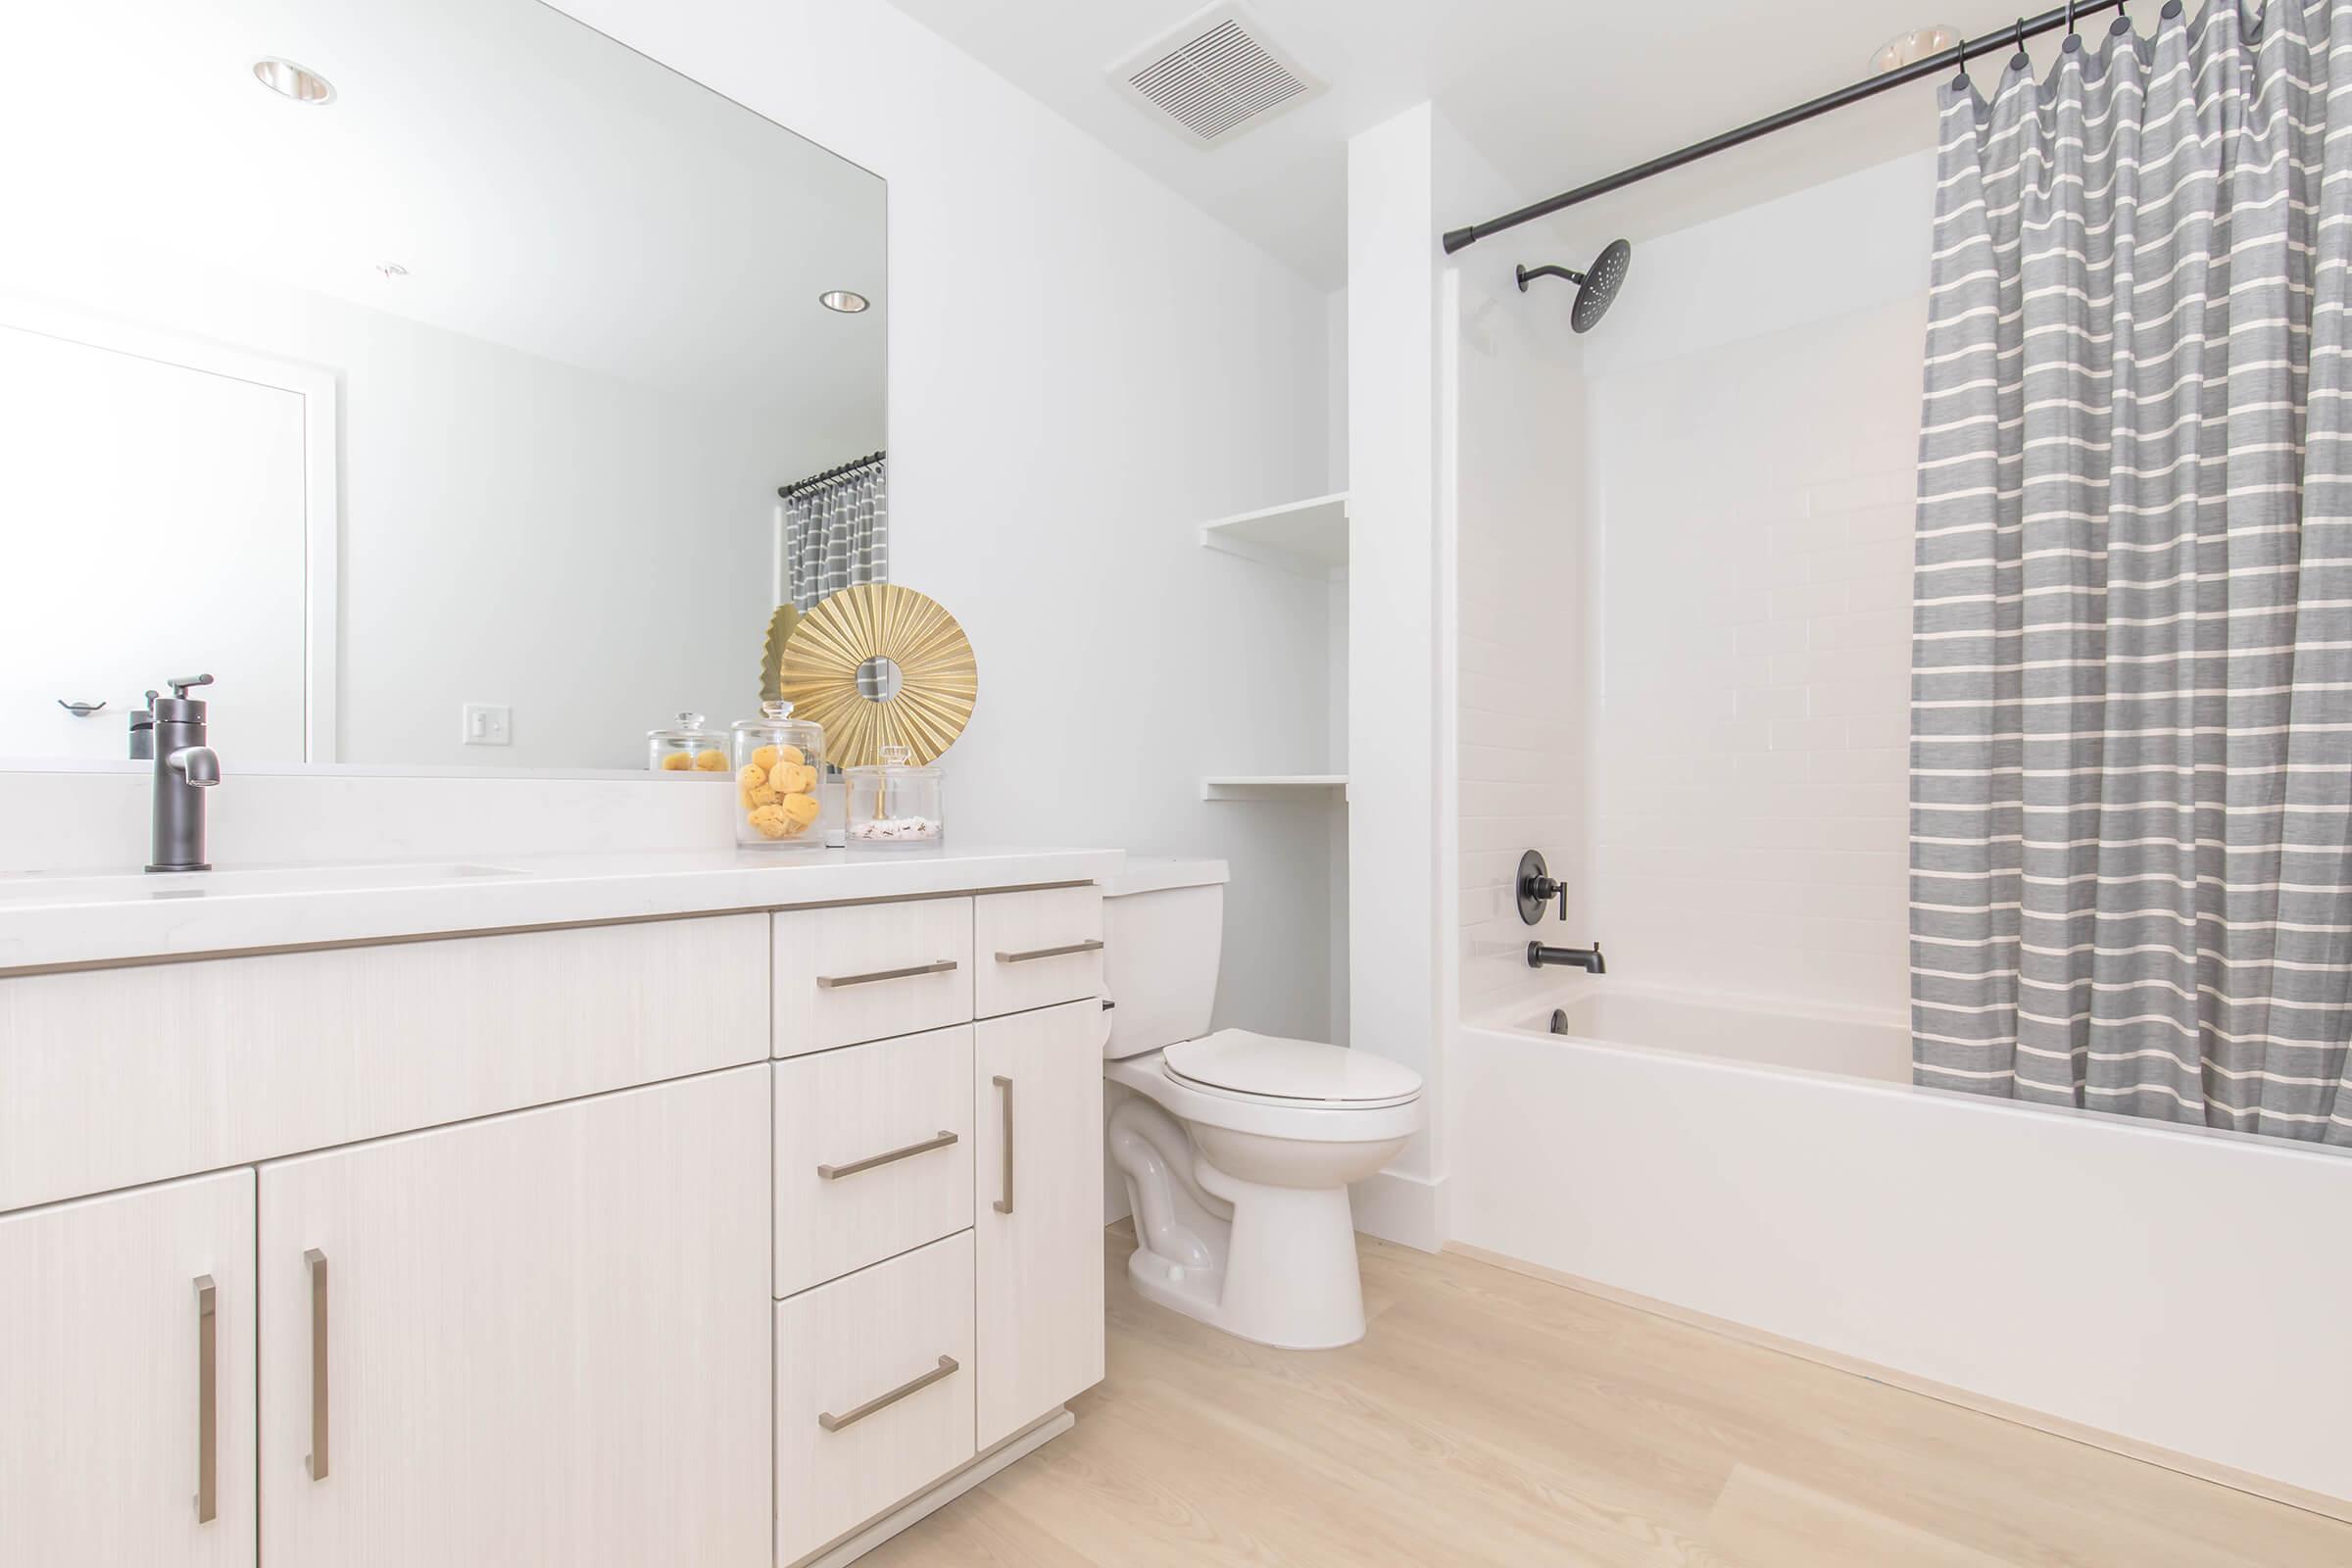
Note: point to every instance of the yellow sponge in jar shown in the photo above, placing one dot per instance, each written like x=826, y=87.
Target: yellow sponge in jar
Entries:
x=765, y=759
x=770, y=822
x=802, y=808
x=677, y=762
x=791, y=755
x=792, y=778
x=710, y=761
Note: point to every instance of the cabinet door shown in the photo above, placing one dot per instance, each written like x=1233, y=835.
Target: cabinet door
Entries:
x=541, y=1337
x=126, y=1380
x=1037, y=1137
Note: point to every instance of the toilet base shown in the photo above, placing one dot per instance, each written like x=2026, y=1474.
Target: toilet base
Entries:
x=1289, y=1280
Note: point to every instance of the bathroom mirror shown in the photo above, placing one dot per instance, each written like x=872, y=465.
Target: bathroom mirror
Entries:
x=424, y=371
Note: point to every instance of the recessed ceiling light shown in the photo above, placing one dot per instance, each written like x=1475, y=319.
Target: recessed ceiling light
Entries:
x=290, y=81
x=842, y=300
x=1910, y=48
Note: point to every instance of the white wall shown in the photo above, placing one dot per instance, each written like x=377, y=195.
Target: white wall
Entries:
x=1083, y=368
x=1394, y=764
x=1752, y=432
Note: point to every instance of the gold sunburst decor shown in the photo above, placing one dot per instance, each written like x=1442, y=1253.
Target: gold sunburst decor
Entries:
x=878, y=666
x=771, y=655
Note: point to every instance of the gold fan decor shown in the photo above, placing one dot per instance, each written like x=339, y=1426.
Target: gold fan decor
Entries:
x=771, y=654
x=878, y=666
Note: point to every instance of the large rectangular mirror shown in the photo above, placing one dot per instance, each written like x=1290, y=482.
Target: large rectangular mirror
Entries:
x=427, y=371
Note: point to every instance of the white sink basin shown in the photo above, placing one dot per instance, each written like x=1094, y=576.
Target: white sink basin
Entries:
x=141, y=886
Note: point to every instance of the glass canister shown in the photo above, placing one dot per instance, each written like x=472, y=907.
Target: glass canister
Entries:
x=688, y=747
x=895, y=805
x=778, y=763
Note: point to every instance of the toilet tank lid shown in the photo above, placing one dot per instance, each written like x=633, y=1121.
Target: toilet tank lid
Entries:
x=1143, y=873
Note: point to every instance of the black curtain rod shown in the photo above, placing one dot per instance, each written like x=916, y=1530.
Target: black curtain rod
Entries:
x=788, y=491
x=1951, y=60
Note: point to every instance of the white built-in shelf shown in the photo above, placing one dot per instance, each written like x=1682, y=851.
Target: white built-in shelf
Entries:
x=1303, y=788
x=1304, y=535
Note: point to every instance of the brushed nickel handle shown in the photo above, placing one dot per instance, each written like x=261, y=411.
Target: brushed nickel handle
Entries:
x=834, y=1173
x=834, y=1423
x=834, y=982
x=208, y=1401
x=316, y=1261
x=1003, y=1204
x=1090, y=945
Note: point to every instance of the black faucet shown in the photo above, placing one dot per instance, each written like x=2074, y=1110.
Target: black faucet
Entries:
x=1537, y=889
x=185, y=768
x=1587, y=959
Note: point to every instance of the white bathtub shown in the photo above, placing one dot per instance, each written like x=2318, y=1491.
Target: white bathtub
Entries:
x=2180, y=1290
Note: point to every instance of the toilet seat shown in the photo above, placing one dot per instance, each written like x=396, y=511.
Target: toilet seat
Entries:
x=1303, y=1074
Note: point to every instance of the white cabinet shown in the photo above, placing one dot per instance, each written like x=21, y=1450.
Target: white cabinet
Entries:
x=126, y=1380
x=541, y=1337
x=873, y=1154
x=1037, y=1082
x=870, y=972
x=1035, y=947
x=874, y=1392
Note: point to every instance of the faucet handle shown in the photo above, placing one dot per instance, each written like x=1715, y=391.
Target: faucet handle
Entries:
x=180, y=686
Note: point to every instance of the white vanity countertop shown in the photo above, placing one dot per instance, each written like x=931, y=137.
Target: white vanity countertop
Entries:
x=67, y=919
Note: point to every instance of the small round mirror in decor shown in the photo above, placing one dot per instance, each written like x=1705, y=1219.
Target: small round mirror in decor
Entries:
x=879, y=679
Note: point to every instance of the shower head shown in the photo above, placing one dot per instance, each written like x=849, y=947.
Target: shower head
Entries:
x=1595, y=288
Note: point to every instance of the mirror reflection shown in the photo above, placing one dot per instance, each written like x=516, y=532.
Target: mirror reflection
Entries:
x=454, y=384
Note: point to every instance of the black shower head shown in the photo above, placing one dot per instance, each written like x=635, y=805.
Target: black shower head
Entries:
x=1595, y=290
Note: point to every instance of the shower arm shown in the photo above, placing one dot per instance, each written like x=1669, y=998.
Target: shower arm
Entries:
x=1568, y=272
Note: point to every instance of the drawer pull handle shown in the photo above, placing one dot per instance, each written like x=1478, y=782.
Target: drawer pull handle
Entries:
x=834, y=1423
x=208, y=1401
x=1003, y=1205
x=1090, y=945
x=834, y=982
x=834, y=1173
x=316, y=1261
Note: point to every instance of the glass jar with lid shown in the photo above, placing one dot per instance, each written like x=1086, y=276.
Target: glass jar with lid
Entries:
x=780, y=760
x=688, y=747
x=895, y=803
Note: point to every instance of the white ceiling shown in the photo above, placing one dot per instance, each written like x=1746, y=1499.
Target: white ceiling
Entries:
x=1553, y=92
x=547, y=188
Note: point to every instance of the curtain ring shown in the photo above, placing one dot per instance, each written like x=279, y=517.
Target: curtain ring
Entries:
x=2023, y=60
x=1961, y=81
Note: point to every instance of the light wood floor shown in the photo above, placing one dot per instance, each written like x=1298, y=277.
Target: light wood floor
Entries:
x=1491, y=1418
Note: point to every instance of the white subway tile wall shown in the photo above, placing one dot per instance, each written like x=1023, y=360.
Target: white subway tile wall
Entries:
x=1520, y=565
x=1753, y=511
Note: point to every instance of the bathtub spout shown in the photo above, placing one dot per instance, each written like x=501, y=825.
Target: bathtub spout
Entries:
x=1587, y=959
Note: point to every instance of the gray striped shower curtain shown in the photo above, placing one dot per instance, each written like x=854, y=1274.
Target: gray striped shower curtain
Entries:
x=837, y=534
x=2132, y=733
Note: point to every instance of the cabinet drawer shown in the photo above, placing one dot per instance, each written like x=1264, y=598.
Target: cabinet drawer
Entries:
x=874, y=1152
x=870, y=972
x=873, y=1392
x=1035, y=948
x=113, y=1077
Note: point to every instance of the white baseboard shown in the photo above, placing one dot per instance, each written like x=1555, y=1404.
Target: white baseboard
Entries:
x=1401, y=1209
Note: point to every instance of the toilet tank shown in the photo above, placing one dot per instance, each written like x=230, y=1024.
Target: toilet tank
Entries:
x=1163, y=923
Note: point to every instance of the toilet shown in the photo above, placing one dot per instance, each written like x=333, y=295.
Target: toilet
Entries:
x=1236, y=1148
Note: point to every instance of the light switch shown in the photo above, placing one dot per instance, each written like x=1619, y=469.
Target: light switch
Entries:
x=489, y=724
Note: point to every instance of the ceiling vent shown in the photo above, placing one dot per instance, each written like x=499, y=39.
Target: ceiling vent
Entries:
x=1214, y=77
